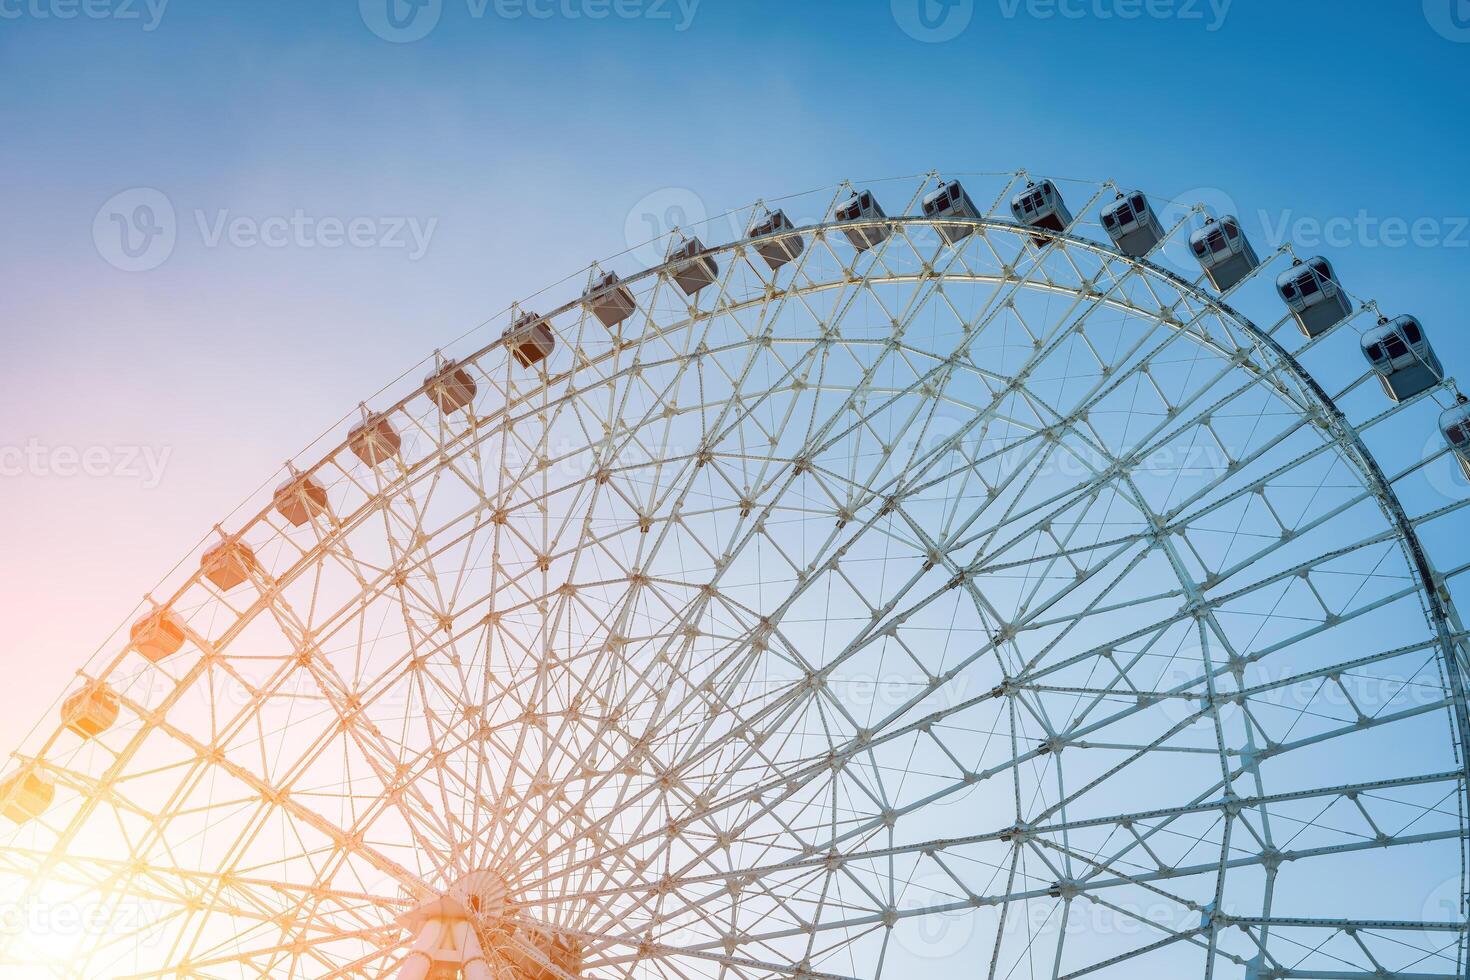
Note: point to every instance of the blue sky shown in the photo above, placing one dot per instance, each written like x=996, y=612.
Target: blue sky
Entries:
x=527, y=146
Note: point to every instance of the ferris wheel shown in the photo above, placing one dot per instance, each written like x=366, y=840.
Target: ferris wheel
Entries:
x=1022, y=589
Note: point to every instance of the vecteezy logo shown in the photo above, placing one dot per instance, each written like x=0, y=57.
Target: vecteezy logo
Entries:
x=1446, y=476
x=933, y=21
x=1449, y=18
x=657, y=214
x=1446, y=903
x=401, y=21
x=1176, y=251
x=136, y=230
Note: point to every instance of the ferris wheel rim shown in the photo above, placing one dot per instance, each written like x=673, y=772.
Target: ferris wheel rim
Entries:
x=1344, y=434
x=1364, y=463
x=1198, y=290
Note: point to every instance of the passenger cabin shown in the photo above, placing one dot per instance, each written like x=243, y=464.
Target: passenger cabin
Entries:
x=863, y=207
x=1132, y=225
x=228, y=564
x=374, y=440
x=25, y=796
x=1455, y=424
x=1314, y=296
x=609, y=301
x=451, y=387
x=301, y=499
x=1400, y=355
x=777, y=251
x=158, y=635
x=949, y=200
x=691, y=266
x=529, y=339
x=1223, y=252
x=1040, y=205
x=90, y=711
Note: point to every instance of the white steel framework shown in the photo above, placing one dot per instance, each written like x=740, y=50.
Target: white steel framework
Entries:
x=982, y=593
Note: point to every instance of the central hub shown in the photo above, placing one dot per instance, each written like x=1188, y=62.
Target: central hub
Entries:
x=484, y=894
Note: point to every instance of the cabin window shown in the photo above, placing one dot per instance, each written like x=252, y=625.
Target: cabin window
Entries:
x=1412, y=332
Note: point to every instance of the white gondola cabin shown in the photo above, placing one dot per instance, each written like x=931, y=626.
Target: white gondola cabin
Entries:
x=451, y=387
x=609, y=301
x=25, y=796
x=949, y=200
x=1311, y=291
x=857, y=210
x=301, y=499
x=1131, y=223
x=1401, y=356
x=1455, y=424
x=779, y=246
x=529, y=339
x=691, y=266
x=374, y=440
x=90, y=711
x=1223, y=251
x=228, y=564
x=1040, y=205
x=158, y=635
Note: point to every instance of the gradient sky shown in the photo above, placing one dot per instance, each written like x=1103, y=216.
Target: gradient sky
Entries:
x=534, y=145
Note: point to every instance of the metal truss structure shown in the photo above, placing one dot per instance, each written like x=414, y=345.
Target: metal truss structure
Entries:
x=980, y=590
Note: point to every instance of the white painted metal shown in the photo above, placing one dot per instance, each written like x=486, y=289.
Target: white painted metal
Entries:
x=887, y=589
